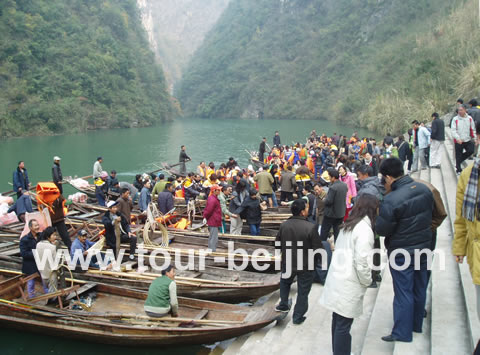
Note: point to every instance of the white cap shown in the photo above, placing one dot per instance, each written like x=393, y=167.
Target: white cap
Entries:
x=55, y=158
x=111, y=203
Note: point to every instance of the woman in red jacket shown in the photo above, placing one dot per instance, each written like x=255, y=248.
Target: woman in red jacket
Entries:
x=212, y=216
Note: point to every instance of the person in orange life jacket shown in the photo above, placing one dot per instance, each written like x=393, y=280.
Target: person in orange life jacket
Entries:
x=202, y=170
x=222, y=172
x=464, y=136
x=192, y=187
x=210, y=169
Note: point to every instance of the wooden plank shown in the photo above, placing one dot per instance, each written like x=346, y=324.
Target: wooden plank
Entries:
x=202, y=314
x=11, y=252
x=81, y=290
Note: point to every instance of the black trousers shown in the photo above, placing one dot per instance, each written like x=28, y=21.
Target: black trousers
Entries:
x=304, y=284
x=60, y=187
x=460, y=155
x=125, y=239
x=63, y=232
x=341, y=338
x=286, y=196
x=329, y=223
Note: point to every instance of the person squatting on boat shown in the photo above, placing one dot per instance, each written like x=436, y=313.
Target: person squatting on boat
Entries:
x=162, y=295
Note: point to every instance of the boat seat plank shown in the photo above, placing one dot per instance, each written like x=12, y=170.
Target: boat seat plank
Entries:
x=202, y=314
x=58, y=293
x=81, y=290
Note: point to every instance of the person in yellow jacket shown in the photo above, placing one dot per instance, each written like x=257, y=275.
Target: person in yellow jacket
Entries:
x=466, y=241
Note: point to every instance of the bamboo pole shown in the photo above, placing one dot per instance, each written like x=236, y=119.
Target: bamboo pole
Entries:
x=186, y=252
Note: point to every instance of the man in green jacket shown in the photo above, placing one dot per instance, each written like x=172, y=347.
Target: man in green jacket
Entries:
x=265, y=182
x=159, y=187
x=162, y=295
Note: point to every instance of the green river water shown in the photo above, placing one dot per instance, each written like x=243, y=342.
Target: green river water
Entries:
x=132, y=151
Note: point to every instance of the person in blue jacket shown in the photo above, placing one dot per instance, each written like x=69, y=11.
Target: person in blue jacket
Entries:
x=21, y=183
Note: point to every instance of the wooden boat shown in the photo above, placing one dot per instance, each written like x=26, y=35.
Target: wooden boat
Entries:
x=211, y=283
x=254, y=159
x=116, y=316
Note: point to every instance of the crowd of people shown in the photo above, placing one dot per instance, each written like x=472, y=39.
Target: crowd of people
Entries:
x=343, y=192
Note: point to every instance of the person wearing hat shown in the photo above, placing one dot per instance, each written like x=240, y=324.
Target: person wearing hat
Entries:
x=212, y=216
x=115, y=223
x=80, y=248
x=57, y=173
x=101, y=188
x=97, y=168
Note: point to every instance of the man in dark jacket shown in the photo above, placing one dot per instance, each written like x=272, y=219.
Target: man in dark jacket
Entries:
x=297, y=236
x=288, y=185
x=165, y=199
x=183, y=159
x=368, y=183
x=22, y=206
x=405, y=219
x=251, y=210
x=276, y=139
x=57, y=176
x=57, y=215
x=113, y=219
x=437, y=138
x=335, y=205
x=21, y=183
x=27, y=244
x=112, y=182
x=262, y=149
x=193, y=187
x=474, y=110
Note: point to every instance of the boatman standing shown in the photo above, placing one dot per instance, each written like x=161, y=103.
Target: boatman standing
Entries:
x=276, y=139
x=182, y=159
x=57, y=174
x=262, y=149
x=97, y=168
x=20, y=179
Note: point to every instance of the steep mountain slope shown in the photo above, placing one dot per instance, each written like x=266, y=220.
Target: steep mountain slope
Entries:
x=73, y=65
x=177, y=28
x=325, y=59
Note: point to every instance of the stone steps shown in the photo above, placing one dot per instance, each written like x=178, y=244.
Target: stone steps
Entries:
x=451, y=326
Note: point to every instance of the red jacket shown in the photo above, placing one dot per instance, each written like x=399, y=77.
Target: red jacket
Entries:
x=213, y=212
